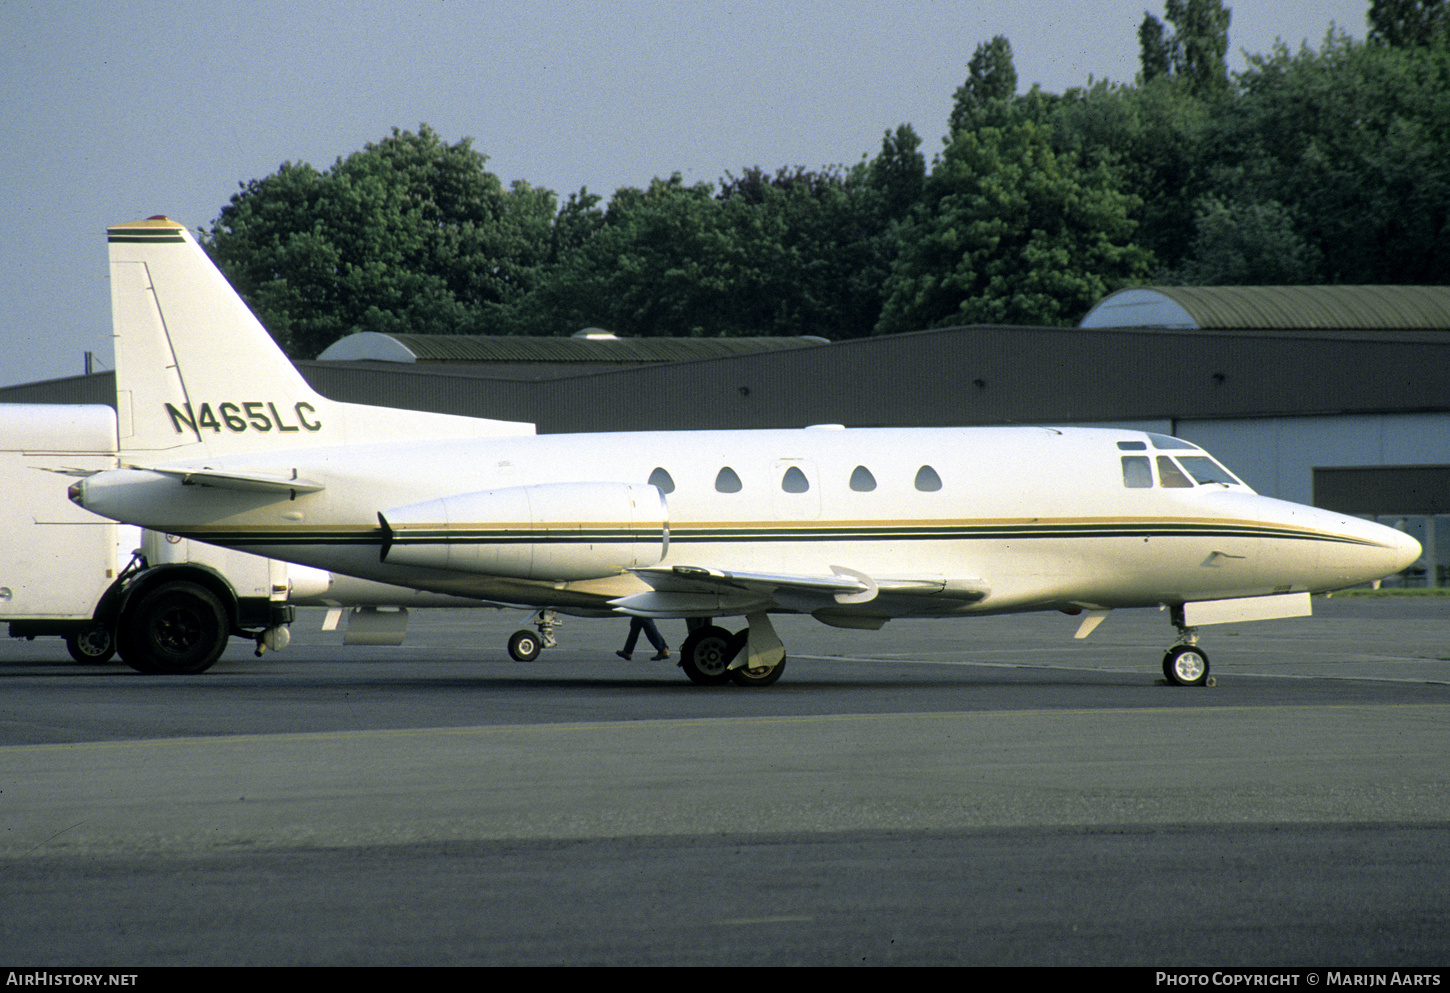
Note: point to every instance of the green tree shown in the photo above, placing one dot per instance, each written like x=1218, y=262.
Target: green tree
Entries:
x=1354, y=142
x=1196, y=51
x=1009, y=231
x=896, y=176
x=990, y=77
x=1158, y=138
x=1248, y=244
x=408, y=234
x=1408, y=23
x=1155, y=54
x=787, y=253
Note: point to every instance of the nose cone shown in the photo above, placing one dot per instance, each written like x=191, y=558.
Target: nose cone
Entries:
x=1406, y=551
x=1382, y=551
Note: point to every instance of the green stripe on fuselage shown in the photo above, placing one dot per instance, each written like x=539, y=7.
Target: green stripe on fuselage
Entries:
x=718, y=534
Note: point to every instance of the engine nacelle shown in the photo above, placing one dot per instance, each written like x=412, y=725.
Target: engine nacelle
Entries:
x=552, y=531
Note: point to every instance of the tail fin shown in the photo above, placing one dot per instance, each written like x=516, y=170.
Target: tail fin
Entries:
x=197, y=375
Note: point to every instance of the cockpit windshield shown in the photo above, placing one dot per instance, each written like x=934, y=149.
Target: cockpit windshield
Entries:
x=1167, y=441
x=1179, y=471
x=1206, y=470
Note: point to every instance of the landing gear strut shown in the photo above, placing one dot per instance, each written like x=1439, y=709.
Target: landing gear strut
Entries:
x=1185, y=664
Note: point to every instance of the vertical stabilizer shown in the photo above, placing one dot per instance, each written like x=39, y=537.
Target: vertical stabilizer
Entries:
x=196, y=373
x=197, y=376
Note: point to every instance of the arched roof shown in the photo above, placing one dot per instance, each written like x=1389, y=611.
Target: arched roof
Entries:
x=372, y=345
x=1275, y=308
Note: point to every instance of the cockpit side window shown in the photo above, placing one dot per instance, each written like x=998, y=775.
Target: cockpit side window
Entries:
x=1170, y=477
x=1137, y=472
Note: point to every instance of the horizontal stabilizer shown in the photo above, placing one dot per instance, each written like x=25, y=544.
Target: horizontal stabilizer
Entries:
x=281, y=481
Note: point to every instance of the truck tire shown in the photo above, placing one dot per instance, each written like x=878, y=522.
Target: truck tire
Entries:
x=93, y=646
x=177, y=628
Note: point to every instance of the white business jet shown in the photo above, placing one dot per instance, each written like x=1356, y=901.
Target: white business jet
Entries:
x=223, y=441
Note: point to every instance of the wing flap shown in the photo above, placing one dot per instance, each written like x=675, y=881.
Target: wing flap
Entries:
x=693, y=591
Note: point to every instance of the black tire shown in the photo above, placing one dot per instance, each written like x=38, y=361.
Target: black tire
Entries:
x=1185, y=665
x=705, y=656
x=93, y=646
x=124, y=649
x=177, y=629
x=524, y=646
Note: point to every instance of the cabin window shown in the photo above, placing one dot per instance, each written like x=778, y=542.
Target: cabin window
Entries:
x=861, y=480
x=1206, y=470
x=726, y=481
x=1137, y=472
x=1170, y=477
x=794, y=481
x=662, y=479
x=927, y=480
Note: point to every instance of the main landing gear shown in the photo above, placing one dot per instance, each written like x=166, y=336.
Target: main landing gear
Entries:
x=1185, y=664
x=709, y=655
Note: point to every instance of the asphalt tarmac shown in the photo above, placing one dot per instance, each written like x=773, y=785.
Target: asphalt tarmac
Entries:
x=984, y=791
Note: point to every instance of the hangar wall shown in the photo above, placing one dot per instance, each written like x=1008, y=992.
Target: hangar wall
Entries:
x=1278, y=455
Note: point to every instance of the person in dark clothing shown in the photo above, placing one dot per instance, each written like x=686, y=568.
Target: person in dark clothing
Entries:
x=645, y=624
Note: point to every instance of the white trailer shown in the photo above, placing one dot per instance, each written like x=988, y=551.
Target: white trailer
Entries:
x=167, y=604
x=56, y=560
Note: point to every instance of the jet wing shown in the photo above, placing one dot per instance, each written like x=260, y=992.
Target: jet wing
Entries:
x=252, y=481
x=691, y=591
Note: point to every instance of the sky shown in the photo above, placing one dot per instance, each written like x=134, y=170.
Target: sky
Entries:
x=112, y=112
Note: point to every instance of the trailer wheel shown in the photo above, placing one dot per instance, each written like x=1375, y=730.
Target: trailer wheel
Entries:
x=177, y=628
x=93, y=646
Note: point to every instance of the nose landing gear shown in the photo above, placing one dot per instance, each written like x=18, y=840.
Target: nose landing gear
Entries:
x=525, y=646
x=1185, y=664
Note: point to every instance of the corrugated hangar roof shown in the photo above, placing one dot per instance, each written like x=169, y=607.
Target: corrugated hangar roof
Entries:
x=371, y=345
x=1275, y=307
